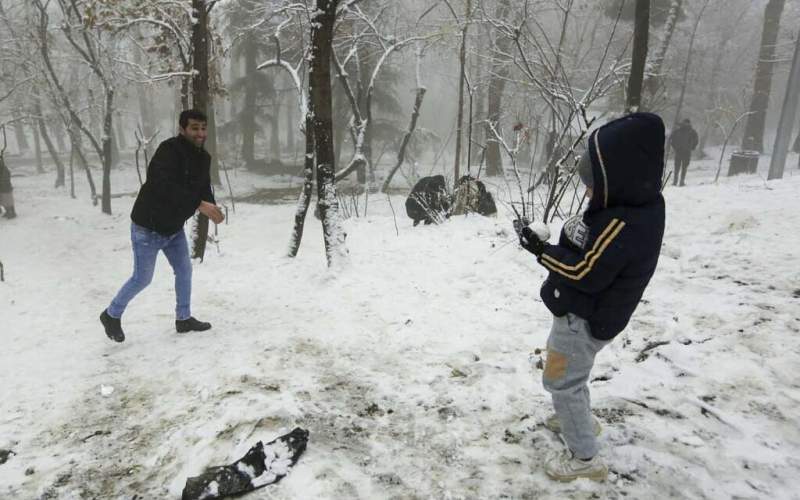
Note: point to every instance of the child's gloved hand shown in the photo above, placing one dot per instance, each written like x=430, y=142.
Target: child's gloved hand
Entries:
x=530, y=241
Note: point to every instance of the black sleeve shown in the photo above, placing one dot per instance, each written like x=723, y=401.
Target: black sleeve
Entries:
x=591, y=270
x=165, y=160
x=208, y=194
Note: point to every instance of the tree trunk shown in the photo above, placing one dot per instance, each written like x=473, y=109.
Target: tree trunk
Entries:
x=248, y=116
x=291, y=145
x=321, y=105
x=639, y=57
x=461, y=78
x=19, y=133
x=479, y=95
x=712, y=94
x=754, y=126
x=274, y=137
x=497, y=83
x=37, y=148
x=788, y=111
x=37, y=108
x=401, y=153
x=305, y=195
x=653, y=80
x=689, y=56
x=107, y=156
x=59, y=132
x=200, y=102
x=211, y=141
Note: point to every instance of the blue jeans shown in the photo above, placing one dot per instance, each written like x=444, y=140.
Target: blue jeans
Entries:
x=570, y=356
x=146, y=245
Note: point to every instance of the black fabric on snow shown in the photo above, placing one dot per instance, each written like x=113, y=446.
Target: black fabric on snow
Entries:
x=177, y=180
x=604, y=280
x=428, y=200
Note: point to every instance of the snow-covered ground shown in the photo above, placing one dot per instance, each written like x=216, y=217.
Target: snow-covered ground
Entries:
x=413, y=367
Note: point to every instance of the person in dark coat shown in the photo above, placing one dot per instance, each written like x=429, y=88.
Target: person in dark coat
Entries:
x=178, y=185
x=683, y=141
x=598, y=272
x=6, y=192
x=428, y=201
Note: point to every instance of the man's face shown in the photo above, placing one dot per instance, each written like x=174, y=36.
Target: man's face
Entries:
x=195, y=132
x=589, y=192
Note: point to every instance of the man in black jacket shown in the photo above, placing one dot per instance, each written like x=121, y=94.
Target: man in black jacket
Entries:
x=178, y=184
x=597, y=275
x=683, y=141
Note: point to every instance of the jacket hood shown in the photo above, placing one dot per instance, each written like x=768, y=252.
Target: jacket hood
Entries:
x=627, y=157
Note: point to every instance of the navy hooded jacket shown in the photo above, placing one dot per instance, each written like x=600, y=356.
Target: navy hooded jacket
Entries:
x=604, y=280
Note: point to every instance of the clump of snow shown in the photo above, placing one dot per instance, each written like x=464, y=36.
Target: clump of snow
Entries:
x=211, y=491
x=737, y=220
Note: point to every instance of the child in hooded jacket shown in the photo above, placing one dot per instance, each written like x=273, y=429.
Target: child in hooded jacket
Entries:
x=598, y=272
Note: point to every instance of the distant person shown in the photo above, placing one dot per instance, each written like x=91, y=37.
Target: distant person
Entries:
x=178, y=185
x=6, y=192
x=598, y=272
x=683, y=141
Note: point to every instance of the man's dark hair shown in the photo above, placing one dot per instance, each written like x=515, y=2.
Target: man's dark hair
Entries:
x=191, y=114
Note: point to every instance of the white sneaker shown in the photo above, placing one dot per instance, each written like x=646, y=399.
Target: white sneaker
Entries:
x=565, y=468
x=554, y=424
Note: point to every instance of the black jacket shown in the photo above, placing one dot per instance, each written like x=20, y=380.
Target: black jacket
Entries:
x=684, y=139
x=603, y=280
x=177, y=180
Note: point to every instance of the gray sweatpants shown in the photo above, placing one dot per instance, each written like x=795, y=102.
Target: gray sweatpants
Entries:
x=570, y=356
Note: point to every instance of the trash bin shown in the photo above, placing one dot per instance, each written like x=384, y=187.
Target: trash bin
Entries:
x=743, y=162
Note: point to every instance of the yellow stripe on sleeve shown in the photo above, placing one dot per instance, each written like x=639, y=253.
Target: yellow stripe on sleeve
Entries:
x=548, y=261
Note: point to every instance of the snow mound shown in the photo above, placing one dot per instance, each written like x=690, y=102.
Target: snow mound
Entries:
x=737, y=220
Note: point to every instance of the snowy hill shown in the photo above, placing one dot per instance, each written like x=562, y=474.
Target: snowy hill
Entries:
x=413, y=368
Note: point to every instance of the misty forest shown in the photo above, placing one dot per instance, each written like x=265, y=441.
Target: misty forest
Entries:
x=424, y=232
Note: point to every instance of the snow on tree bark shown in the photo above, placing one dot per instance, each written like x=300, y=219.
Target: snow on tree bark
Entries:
x=653, y=79
x=322, y=116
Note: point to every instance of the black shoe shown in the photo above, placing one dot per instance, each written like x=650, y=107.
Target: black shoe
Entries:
x=10, y=213
x=113, y=327
x=191, y=325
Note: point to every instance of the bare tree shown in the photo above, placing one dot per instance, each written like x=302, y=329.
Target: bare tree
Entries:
x=689, y=56
x=754, y=126
x=322, y=23
x=639, y=57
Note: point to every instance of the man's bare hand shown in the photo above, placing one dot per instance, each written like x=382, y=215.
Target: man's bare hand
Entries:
x=211, y=211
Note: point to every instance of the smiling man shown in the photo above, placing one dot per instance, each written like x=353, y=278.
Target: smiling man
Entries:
x=177, y=186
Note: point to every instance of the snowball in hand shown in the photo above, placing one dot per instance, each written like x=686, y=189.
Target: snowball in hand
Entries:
x=541, y=230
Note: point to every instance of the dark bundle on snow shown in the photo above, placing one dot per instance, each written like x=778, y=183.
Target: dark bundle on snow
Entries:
x=471, y=196
x=428, y=201
x=262, y=465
